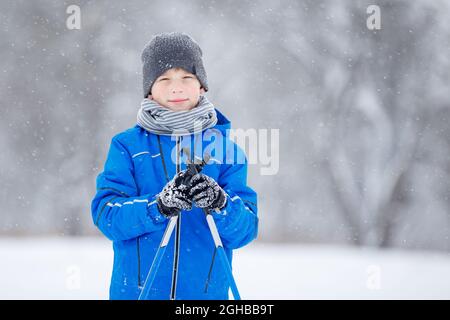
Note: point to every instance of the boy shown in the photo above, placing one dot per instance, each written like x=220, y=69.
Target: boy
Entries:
x=136, y=195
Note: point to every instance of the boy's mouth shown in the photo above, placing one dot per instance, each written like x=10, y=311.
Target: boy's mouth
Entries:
x=178, y=100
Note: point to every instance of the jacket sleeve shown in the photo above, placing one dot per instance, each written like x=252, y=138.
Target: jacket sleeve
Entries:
x=237, y=222
x=117, y=209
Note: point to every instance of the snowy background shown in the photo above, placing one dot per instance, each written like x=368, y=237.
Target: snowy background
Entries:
x=360, y=205
x=70, y=268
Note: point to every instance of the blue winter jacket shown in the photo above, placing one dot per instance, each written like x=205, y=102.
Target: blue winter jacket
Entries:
x=138, y=166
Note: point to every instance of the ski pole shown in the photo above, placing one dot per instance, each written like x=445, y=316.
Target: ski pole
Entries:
x=196, y=168
x=157, y=260
x=174, y=223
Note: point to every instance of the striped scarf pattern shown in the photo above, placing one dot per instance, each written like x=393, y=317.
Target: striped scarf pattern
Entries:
x=161, y=120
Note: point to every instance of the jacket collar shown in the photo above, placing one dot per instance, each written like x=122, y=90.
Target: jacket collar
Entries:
x=223, y=123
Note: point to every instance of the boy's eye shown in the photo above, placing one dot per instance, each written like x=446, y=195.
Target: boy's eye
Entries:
x=163, y=79
x=188, y=77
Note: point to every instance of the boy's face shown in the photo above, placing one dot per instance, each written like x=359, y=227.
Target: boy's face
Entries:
x=177, y=90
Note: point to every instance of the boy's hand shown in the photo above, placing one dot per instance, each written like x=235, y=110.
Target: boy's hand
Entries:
x=174, y=196
x=206, y=193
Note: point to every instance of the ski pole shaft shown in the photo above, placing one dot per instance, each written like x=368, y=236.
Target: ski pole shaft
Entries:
x=222, y=256
x=158, y=258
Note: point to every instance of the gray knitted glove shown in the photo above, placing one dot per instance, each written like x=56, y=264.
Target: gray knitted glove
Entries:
x=174, y=196
x=206, y=192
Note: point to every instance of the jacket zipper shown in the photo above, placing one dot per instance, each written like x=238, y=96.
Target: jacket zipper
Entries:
x=162, y=158
x=177, y=232
x=139, y=262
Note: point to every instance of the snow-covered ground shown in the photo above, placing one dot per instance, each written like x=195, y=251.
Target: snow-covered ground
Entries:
x=80, y=268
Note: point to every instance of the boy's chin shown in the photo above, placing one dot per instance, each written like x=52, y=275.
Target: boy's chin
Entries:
x=179, y=108
x=176, y=107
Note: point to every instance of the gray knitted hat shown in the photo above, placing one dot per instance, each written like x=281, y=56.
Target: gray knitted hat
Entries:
x=171, y=50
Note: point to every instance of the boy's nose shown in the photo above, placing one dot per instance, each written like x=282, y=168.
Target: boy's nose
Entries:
x=175, y=90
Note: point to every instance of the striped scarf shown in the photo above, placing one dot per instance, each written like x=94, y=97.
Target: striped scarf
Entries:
x=160, y=120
